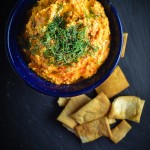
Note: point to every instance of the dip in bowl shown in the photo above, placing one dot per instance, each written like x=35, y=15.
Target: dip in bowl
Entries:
x=52, y=68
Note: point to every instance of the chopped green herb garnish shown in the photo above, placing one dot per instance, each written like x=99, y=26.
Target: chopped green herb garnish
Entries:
x=65, y=45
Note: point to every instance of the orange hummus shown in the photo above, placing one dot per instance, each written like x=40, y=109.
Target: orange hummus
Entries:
x=46, y=52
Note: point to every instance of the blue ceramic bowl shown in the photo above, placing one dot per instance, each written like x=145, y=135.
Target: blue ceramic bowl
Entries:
x=15, y=23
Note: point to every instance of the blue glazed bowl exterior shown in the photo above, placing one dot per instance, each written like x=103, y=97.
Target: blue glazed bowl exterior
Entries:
x=15, y=23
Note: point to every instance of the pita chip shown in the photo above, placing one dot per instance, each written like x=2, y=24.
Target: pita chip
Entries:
x=62, y=101
x=93, y=130
x=96, y=108
x=125, y=37
x=72, y=106
x=115, y=83
x=127, y=107
x=120, y=131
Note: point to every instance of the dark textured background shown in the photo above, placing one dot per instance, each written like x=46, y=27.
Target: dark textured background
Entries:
x=28, y=118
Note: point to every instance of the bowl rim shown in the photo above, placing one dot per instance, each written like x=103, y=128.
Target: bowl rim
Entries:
x=54, y=93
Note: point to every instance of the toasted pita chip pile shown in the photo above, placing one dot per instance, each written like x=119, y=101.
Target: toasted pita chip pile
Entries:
x=115, y=83
x=125, y=37
x=120, y=131
x=123, y=107
x=95, y=109
x=93, y=130
x=127, y=107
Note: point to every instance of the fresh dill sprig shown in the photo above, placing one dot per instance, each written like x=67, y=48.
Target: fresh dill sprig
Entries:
x=65, y=45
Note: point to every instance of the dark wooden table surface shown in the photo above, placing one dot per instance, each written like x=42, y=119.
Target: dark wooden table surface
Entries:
x=28, y=118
